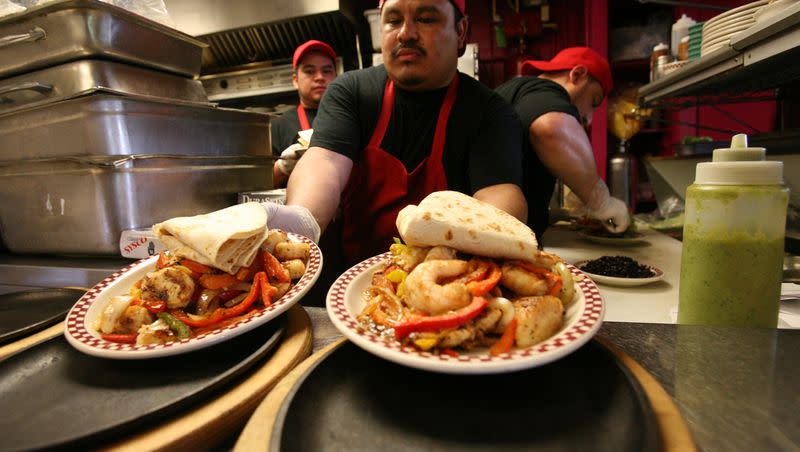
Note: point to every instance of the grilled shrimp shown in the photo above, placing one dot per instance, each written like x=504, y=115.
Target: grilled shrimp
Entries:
x=423, y=291
x=523, y=282
x=285, y=251
x=274, y=238
x=537, y=318
x=544, y=259
x=440, y=253
x=170, y=285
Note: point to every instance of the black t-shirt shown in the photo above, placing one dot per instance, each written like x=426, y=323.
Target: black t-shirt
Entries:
x=285, y=128
x=532, y=97
x=483, y=142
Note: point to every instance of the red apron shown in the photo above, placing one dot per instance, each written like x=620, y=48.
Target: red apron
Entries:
x=301, y=115
x=379, y=185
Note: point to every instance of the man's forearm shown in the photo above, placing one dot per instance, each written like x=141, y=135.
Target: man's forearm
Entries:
x=506, y=197
x=564, y=149
x=317, y=183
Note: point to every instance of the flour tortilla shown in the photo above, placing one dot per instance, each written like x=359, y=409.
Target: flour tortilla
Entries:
x=226, y=239
x=462, y=222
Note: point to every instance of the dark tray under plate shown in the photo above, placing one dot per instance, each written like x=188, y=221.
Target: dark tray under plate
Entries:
x=353, y=400
x=24, y=313
x=53, y=395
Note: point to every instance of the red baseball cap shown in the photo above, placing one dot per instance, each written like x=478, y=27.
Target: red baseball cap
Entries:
x=312, y=46
x=460, y=4
x=569, y=58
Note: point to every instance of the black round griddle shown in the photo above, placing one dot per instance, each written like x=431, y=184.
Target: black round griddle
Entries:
x=353, y=400
x=52, y=395
x=24, y=313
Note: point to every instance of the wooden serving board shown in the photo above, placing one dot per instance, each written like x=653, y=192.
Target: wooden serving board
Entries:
x=212, y=423
x=674, y=433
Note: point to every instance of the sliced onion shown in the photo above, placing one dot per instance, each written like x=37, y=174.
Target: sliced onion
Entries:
x=236, y=300
x=113, y=311
x=205, y=299
x=506, y=308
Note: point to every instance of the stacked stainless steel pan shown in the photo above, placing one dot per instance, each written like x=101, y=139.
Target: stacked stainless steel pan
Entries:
x=104, y=127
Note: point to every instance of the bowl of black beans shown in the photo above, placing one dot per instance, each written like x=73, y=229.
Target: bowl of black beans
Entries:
x=619, y=271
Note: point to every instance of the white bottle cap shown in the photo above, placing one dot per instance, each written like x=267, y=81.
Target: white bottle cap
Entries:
x=739, y=165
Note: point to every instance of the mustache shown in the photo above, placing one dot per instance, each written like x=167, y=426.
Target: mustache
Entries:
x=412, y=45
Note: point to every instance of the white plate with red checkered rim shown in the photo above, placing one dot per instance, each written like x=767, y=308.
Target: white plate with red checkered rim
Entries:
x=81, y=335
x=346, y=299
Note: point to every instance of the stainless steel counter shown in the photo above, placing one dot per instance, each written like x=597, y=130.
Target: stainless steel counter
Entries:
x=20, y=272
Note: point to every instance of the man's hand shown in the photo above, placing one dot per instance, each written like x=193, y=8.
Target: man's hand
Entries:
x=292, y=218
x=289, y=158
x=611, y=211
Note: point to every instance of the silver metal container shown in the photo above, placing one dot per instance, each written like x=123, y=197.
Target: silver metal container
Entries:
x=83, y=77
x=102, y=124
x=82, y=205
x=63, y=31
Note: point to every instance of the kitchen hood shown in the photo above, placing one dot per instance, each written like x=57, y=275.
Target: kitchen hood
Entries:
x=243, y=32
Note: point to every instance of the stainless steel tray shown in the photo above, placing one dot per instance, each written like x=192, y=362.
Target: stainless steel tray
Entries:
x=81, y=77
x=102, y=124
x=68, y=30
x=82, y=205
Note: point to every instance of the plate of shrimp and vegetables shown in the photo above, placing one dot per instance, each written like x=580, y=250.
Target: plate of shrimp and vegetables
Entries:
x=446, y=308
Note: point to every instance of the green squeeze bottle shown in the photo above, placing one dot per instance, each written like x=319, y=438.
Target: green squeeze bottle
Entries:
x=732, y=259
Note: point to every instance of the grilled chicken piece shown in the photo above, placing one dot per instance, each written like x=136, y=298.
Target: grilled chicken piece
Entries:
x=170, y=285
x=132, y=319
x=537, y=318
x=456, y=337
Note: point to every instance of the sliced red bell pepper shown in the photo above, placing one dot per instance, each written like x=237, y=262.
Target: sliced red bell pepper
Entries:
x=154, y=306
x=453, y=319
x=212, y=319
x=449, y=352
x=260, y=285
x=482, y=287
x=243, y=273
x=120, y=338
x=506, y=340
x=195, y=266
x=162, y=261
x=274, y=268
x=556, y=287
x=217, y=281
x=267, y=291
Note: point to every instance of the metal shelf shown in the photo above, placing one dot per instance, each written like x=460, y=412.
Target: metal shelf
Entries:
x=762, y=57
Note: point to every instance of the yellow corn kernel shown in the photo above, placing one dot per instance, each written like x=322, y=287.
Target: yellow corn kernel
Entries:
x=425, y=343
x=396, y=276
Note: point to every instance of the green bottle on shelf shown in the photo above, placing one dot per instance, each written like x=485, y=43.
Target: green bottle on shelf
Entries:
x=732, y=260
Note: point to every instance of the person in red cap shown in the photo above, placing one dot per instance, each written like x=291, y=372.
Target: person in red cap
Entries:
x=554, y=100
x=314, y=65
x=387, y=136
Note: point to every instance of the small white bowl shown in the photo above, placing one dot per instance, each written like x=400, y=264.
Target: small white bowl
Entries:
x=622, y=282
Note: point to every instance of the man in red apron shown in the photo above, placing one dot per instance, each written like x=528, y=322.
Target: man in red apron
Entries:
x=314, y=65
x=555, y=99
x=387, y=136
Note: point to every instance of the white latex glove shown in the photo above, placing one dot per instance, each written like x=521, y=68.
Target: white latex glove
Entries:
x=293, y=218
x=609, y=210
x=289, y=158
